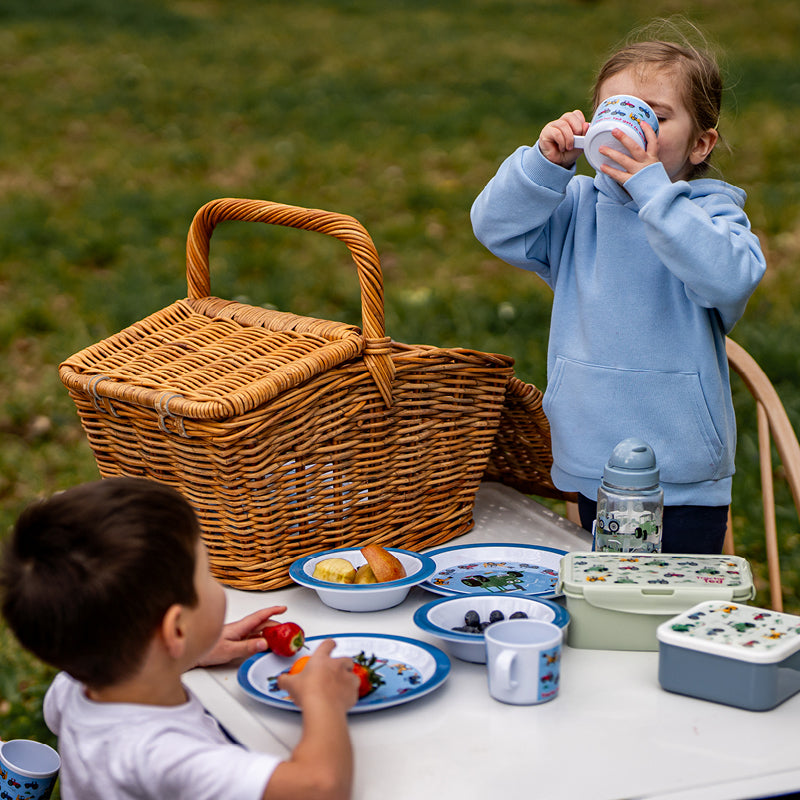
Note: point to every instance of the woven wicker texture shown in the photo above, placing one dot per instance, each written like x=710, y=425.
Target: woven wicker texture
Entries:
x=290, y=434
x=521, y=456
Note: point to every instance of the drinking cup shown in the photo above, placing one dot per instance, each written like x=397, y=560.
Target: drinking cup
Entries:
x=619, y=112
x=28, y=769
x=523, y=660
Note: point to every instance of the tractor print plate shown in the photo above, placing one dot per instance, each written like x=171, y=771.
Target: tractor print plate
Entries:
x=409, y=668
x=515, y=569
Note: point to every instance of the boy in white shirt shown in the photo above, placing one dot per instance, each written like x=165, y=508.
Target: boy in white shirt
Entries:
x=109, y=582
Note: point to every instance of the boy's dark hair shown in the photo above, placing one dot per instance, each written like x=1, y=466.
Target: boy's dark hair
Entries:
x=88, y=574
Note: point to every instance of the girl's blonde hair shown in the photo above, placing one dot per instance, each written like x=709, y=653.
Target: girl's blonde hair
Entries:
x=696, y=67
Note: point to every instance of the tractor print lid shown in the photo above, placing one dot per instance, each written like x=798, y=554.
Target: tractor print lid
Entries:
x=727, y=629
x=652, y=570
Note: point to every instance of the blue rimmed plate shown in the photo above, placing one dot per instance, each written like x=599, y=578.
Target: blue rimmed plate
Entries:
x=362, y=596
x=410, y=669
x=517, y=569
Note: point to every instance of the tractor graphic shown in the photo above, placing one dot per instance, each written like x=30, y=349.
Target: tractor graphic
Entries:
x=501, y=582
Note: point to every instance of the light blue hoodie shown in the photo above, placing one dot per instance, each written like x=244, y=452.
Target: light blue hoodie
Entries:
x=647, y=281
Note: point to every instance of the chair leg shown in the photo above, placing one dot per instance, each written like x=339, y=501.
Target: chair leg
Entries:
x=573, y=515
x=768, y=495
x=728, y=548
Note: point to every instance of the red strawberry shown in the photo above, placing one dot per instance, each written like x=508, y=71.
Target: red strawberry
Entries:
x=285, y=638
x=364, y=668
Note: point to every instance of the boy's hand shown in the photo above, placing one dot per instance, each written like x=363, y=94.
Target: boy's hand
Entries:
x=241, y=639
x=638, y=159
x=324, y=679
x=557, y=139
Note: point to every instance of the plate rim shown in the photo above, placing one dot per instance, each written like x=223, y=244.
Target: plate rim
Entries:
x=298, y=575
x=561, y=618
x=428, y=586
x=442, y=667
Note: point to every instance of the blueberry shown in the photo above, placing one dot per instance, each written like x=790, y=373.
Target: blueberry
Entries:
x=472, y=618
x=484, y=626
x=496, y=616
x=519, y=615
x=460, y=628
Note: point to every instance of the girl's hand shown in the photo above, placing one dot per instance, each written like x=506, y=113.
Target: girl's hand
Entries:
x=241, y=639
x=557, y=139
x=638, y=159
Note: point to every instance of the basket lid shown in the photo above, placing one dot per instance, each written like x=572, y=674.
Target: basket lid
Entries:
x=653, y=582
x=210, y=358
x=746, y=633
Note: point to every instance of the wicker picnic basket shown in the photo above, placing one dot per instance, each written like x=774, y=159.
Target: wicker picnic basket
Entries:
x=289, y=434
x=521, y=456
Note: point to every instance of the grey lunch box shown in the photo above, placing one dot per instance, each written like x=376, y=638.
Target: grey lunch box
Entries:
x=733, y=654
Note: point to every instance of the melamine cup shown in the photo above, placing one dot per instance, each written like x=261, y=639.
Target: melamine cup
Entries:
x=523, y=660
x=28, y=769
x=620, y=112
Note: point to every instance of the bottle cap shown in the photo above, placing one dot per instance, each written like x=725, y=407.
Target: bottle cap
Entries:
x=632, y=465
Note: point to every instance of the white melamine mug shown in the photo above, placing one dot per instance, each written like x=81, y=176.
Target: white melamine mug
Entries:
x=28, y=769
x=523, y=660
x=623, y=112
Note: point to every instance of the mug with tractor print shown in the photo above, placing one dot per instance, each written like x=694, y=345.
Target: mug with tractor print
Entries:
x=28, y=769
x=523, y=660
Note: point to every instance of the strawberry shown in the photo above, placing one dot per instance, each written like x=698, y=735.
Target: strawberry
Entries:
x=285, y=638
x=369, y=679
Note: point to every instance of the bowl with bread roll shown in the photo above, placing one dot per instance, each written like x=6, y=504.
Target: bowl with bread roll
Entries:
x=369, y=578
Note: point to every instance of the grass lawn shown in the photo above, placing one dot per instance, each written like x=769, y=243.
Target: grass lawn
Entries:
x=121, y=119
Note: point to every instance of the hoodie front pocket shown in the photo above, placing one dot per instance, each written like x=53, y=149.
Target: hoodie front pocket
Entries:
x=592, y=408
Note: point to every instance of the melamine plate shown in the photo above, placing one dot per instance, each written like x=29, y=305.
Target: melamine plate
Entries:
x=518, y=569
x=410, y=669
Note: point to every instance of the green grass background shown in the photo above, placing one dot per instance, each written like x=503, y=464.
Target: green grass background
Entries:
x=120, y=119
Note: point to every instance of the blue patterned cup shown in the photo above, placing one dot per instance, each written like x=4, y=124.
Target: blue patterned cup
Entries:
x=620, y=112
x=28, y=770
x=523, y=660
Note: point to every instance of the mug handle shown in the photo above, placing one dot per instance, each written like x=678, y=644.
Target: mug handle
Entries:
x=503, y=665
x=578, y=142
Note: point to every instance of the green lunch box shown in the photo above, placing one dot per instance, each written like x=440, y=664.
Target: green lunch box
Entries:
x=617, y=601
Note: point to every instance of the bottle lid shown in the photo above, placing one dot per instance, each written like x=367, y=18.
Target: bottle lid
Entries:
x=632, y=465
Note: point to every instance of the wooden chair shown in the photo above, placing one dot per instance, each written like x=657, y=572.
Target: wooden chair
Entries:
x=773, y=425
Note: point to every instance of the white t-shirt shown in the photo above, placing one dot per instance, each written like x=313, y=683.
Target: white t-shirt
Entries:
x=132, y=751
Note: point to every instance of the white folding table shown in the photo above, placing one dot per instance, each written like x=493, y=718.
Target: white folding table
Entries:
x=611, y=733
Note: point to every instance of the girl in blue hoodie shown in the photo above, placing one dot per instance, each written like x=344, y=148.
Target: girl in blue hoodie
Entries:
x=651, y=266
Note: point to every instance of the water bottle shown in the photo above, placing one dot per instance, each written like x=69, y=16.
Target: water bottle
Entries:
x=630, y=501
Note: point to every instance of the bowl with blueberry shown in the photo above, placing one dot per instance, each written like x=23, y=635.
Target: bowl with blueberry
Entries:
x=459, y=622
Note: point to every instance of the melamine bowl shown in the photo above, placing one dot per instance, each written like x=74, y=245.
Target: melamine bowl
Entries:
x=362, y=596
x=439, y=617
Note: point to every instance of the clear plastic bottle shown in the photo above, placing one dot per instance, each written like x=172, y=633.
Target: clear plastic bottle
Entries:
x=630, y=501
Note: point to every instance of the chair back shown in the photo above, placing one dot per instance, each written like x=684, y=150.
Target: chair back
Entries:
x=773, y=426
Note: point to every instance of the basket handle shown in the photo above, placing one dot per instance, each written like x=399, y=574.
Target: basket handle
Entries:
x=377, y=345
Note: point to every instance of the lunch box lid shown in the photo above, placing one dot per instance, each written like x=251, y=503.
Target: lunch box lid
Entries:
x=653, y=583
x=746, y=633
